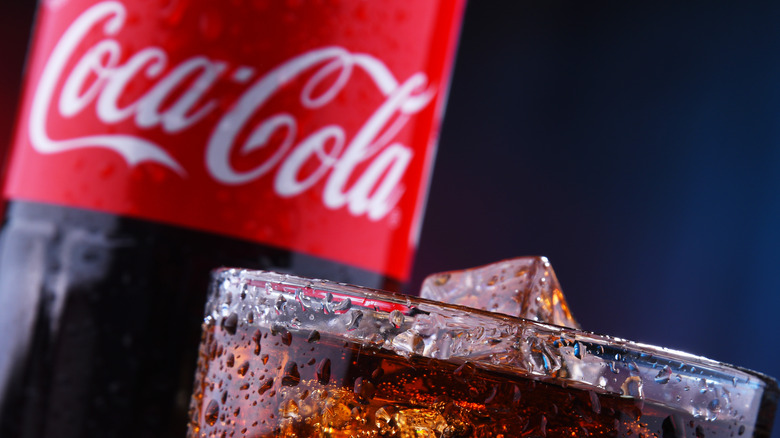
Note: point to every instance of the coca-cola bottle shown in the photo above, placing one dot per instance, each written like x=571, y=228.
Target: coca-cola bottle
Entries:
x=160, y=139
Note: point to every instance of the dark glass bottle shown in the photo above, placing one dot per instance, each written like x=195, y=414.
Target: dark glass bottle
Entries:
x=159, y=140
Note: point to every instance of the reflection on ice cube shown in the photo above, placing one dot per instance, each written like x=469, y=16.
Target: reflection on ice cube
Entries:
x=523, y=287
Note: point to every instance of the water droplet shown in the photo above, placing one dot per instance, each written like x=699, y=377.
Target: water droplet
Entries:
x=256, y=339
x=664, y=375
x=323, y=371
x=633, y=387
x=305, y=302
x=242, y=369
x=741, y=430
x=342, y=306
x=268, y=384
x=286, y=337
x=280, y=303
x=230, y=323
x=291, y=375
x=714, y=408
x=354, y=319
x=230, y=360
x=577, y=351
x=396, y=318
x=314, y=336
x=212, y=413
x=250, y=317
x=377, y=374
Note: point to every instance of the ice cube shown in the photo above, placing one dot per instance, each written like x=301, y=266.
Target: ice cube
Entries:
x=524, y=287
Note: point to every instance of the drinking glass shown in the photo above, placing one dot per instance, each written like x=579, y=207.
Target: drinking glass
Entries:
x=287, y=356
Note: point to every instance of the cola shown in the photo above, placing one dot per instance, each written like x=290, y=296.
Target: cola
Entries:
x=159, y=140
x=298, y=387
x=342, y=389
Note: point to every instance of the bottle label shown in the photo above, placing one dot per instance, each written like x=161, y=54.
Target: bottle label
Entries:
x=306, y=125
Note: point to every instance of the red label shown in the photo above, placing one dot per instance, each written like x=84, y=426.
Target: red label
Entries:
x=307, y=125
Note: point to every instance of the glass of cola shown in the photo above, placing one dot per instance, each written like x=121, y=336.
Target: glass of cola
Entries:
x=288, y=356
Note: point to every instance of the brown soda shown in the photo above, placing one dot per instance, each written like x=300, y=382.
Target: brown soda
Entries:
x=304, y=384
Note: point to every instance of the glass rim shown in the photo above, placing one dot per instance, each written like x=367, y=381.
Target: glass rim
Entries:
x=564, y=356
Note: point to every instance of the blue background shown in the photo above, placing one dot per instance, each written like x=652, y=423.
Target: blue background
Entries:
x=636, y=144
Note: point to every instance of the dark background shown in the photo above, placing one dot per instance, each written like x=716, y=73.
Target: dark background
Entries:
x=636, y=144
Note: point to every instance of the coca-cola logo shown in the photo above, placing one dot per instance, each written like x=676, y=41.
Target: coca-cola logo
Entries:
x=363, y=173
